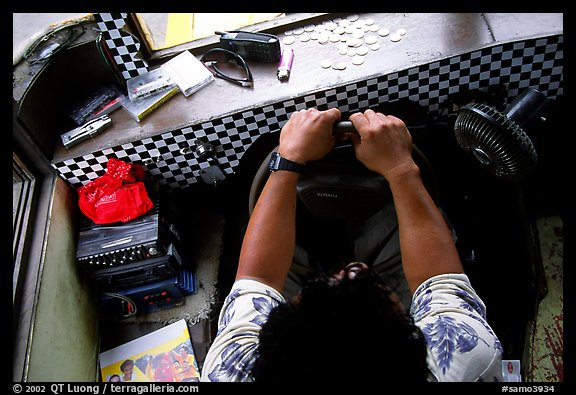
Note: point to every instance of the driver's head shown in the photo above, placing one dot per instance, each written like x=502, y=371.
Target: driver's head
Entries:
x=344, y=325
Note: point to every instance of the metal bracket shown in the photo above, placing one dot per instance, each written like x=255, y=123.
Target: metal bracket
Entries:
x=84, y=132
x=212, y=175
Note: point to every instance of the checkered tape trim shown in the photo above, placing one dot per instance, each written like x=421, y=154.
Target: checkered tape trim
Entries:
x=122, y=45
x=535, y=63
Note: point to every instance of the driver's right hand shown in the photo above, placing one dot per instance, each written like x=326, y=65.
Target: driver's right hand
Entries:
x=383, y=143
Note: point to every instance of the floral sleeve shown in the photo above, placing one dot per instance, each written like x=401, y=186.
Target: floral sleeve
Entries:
x=461, y=344
x=245, y=309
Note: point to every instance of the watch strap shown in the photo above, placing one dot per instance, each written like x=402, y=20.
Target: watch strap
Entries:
x=277, y=162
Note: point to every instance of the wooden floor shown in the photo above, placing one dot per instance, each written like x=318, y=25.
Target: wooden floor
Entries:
x=545, y=349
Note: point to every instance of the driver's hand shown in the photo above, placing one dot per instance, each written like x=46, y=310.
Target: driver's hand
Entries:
x=307, y=135
x=383, y=143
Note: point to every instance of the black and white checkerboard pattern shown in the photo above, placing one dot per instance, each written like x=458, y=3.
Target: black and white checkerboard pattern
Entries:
x=535, y=63
x=123, y=46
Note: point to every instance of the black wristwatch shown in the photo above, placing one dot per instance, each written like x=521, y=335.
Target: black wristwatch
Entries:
x=279, y=163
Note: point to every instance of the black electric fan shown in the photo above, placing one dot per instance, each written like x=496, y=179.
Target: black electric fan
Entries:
x=499, y=140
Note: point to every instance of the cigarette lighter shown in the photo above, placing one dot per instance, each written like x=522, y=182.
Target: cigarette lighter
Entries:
x=285, y=65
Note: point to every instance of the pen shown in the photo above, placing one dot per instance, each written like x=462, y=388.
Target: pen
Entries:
x=285, y=65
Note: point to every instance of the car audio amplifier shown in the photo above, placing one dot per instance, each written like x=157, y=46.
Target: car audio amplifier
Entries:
x=139, y=272
x=148, y=298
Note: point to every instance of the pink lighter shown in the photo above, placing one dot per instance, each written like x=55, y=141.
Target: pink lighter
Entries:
x=285, y=65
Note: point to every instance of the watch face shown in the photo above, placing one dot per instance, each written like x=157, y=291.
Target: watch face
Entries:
x=274, y=161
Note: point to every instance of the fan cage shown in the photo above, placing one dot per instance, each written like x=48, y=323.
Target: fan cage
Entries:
x=495, y=141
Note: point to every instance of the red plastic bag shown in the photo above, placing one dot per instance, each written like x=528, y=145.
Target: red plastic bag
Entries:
x=118, y=195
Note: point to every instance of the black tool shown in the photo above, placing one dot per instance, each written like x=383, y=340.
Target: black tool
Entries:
x=261, y=47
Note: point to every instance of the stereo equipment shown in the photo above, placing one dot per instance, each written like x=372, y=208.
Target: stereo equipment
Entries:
x=137, y=273
x=138, y=266
x=118, y=244
x=150, y=297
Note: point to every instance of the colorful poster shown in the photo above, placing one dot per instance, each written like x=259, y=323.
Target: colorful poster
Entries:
x=165, y=355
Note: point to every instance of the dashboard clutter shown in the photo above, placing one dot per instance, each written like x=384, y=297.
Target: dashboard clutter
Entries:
x=97, y=102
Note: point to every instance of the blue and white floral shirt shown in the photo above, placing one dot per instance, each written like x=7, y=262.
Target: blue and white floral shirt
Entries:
x=461, y=344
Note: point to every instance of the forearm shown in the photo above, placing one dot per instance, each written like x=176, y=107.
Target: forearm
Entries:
x=268, y=246
x=426, y=243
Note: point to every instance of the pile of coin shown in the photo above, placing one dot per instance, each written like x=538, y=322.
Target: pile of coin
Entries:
x=353, y=37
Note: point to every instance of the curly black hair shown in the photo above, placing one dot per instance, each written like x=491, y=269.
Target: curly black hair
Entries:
x=355, y=330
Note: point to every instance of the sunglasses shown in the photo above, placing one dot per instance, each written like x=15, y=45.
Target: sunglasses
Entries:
x=217, y=56
x=53, y=42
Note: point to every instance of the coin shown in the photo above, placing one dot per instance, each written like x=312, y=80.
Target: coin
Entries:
x=334, y=38
x=288, y=40
x=339, y=30
x=395, y=37
x=358, y=60
x=362, y=50
x=383, y=32
x=353, y=42
x=330, y=26
x=339, y=66
x=326, y=64
x=371, y=39
x=349, y=29
x=323, y=38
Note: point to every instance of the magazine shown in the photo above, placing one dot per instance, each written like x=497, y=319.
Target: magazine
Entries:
x=165, y=355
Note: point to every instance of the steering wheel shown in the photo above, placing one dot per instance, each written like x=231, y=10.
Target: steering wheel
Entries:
x=340, y=187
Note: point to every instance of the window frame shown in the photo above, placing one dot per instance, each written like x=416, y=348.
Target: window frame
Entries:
x=28, y=254
x=23, y=192
x=274, y=26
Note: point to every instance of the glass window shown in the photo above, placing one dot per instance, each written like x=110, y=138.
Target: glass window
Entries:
x=23, y=182
x=165, y=30
x=166, y=33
